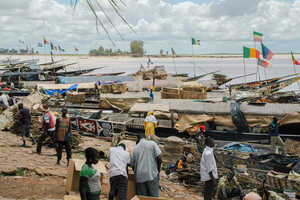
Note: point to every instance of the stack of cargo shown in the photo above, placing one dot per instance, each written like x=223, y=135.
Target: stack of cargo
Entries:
x=193, y=92
x=76, y=97
x=173, y=150
x=170, y=93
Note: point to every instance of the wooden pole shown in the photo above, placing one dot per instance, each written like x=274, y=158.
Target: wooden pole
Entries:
x=244, y=69
x=194, y=68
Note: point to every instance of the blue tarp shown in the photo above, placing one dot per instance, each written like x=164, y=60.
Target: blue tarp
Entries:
x=63, y=91
x=90, y=79
x=239, y=147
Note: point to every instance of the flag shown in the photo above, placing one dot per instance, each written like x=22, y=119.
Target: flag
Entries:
x=264, y=63
x=40, y=44
x=195, y=42
x=250, y=53
x=55, y=48
x=76, y=49
x=257, y=36
x=267, y=53
x=173, y=52
x=51, y=46
x=295, y=62
x=45, y=41
x=22, y=41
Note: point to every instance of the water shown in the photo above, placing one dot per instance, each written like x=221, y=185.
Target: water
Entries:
x=232, y=66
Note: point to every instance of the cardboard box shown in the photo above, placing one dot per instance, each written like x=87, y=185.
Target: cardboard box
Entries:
x=73, y=178
x=73, y=175
x=147, y=198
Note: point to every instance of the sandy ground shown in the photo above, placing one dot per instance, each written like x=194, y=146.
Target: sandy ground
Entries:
x=27, y=175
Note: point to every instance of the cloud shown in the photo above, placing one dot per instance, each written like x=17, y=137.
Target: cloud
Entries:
x=221, y=25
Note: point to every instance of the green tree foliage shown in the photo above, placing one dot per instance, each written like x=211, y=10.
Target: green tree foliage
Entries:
x=137, y=48
x=106, y=52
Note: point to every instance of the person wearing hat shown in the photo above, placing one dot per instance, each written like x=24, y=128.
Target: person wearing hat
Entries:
x=150, y=123
x=63, y=136
x=49, y=121
x=25, y=124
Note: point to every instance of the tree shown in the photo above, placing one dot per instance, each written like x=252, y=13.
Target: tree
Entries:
x=137, y=47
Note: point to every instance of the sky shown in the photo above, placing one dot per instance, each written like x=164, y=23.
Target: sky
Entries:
x=222, y=26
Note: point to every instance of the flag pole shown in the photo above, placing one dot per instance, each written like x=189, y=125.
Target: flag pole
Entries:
x=193, y=61
x=174, y=64
x=257, y=68
x=244, y=70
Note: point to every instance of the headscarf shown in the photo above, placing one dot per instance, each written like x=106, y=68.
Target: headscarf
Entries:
x=150, y=117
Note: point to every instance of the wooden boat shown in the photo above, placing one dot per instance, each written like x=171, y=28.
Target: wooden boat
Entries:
x=198, y=77
x=180, y=75
x=74, y=73
x=256, y=84
x=58, y=67
x=107, y=74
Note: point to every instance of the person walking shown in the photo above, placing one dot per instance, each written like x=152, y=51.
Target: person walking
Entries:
x=63, y=136
x=276, y=141
x=25, y=124
x=49, y=121
x=90, y=178
x=150, y=123
x=119, y=159
x=208, y=170
x=146, y=163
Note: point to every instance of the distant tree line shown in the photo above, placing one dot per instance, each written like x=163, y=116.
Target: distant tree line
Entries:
x=136, y=49
x=101, y=51
x=4, y=51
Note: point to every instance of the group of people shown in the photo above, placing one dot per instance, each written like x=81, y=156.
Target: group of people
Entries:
x=58, y=129
x=145, y=161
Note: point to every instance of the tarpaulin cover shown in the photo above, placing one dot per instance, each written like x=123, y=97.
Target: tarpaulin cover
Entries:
x=188, y=121
x=239, y=147
x=89, y=79
x=291, y=118
x=63, y=91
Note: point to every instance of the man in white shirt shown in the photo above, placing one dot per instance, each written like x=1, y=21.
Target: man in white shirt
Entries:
x=208, y=170
x=118, y=172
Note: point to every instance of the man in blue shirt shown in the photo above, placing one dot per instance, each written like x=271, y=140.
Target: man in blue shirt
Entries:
x=276, y=141
x=146, y=162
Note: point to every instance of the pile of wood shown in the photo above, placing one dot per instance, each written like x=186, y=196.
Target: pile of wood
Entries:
x=36, y=127
x=158, y=72
x=115, y=88
x=76, y=97
x=184, y=92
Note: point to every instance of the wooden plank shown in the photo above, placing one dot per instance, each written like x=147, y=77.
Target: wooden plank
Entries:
x=145, y=107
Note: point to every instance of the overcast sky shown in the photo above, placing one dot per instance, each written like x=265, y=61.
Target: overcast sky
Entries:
x=223, y=26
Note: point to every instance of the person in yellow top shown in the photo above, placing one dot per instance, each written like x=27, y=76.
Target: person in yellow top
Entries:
x=150, y=123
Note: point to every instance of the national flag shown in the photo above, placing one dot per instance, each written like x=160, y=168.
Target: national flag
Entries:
x=45, y=41
x=250, y=53
x=76, y=49
x=173, y=52
x=40, y=44
x=51, y=46
x=195, y=42
x=267, y=53
x=295, y=62
x=55, y=48
x=22, y=41
x=264, y=63
x=257, y=36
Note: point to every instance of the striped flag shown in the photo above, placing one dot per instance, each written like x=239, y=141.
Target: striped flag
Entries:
x=76, y=49
x=267, y=53
x=257, y=37
x=22, y=41
x=45, y=41
x=250, y=53
x=264, y=63
x=195, y=42
x=295, y=62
